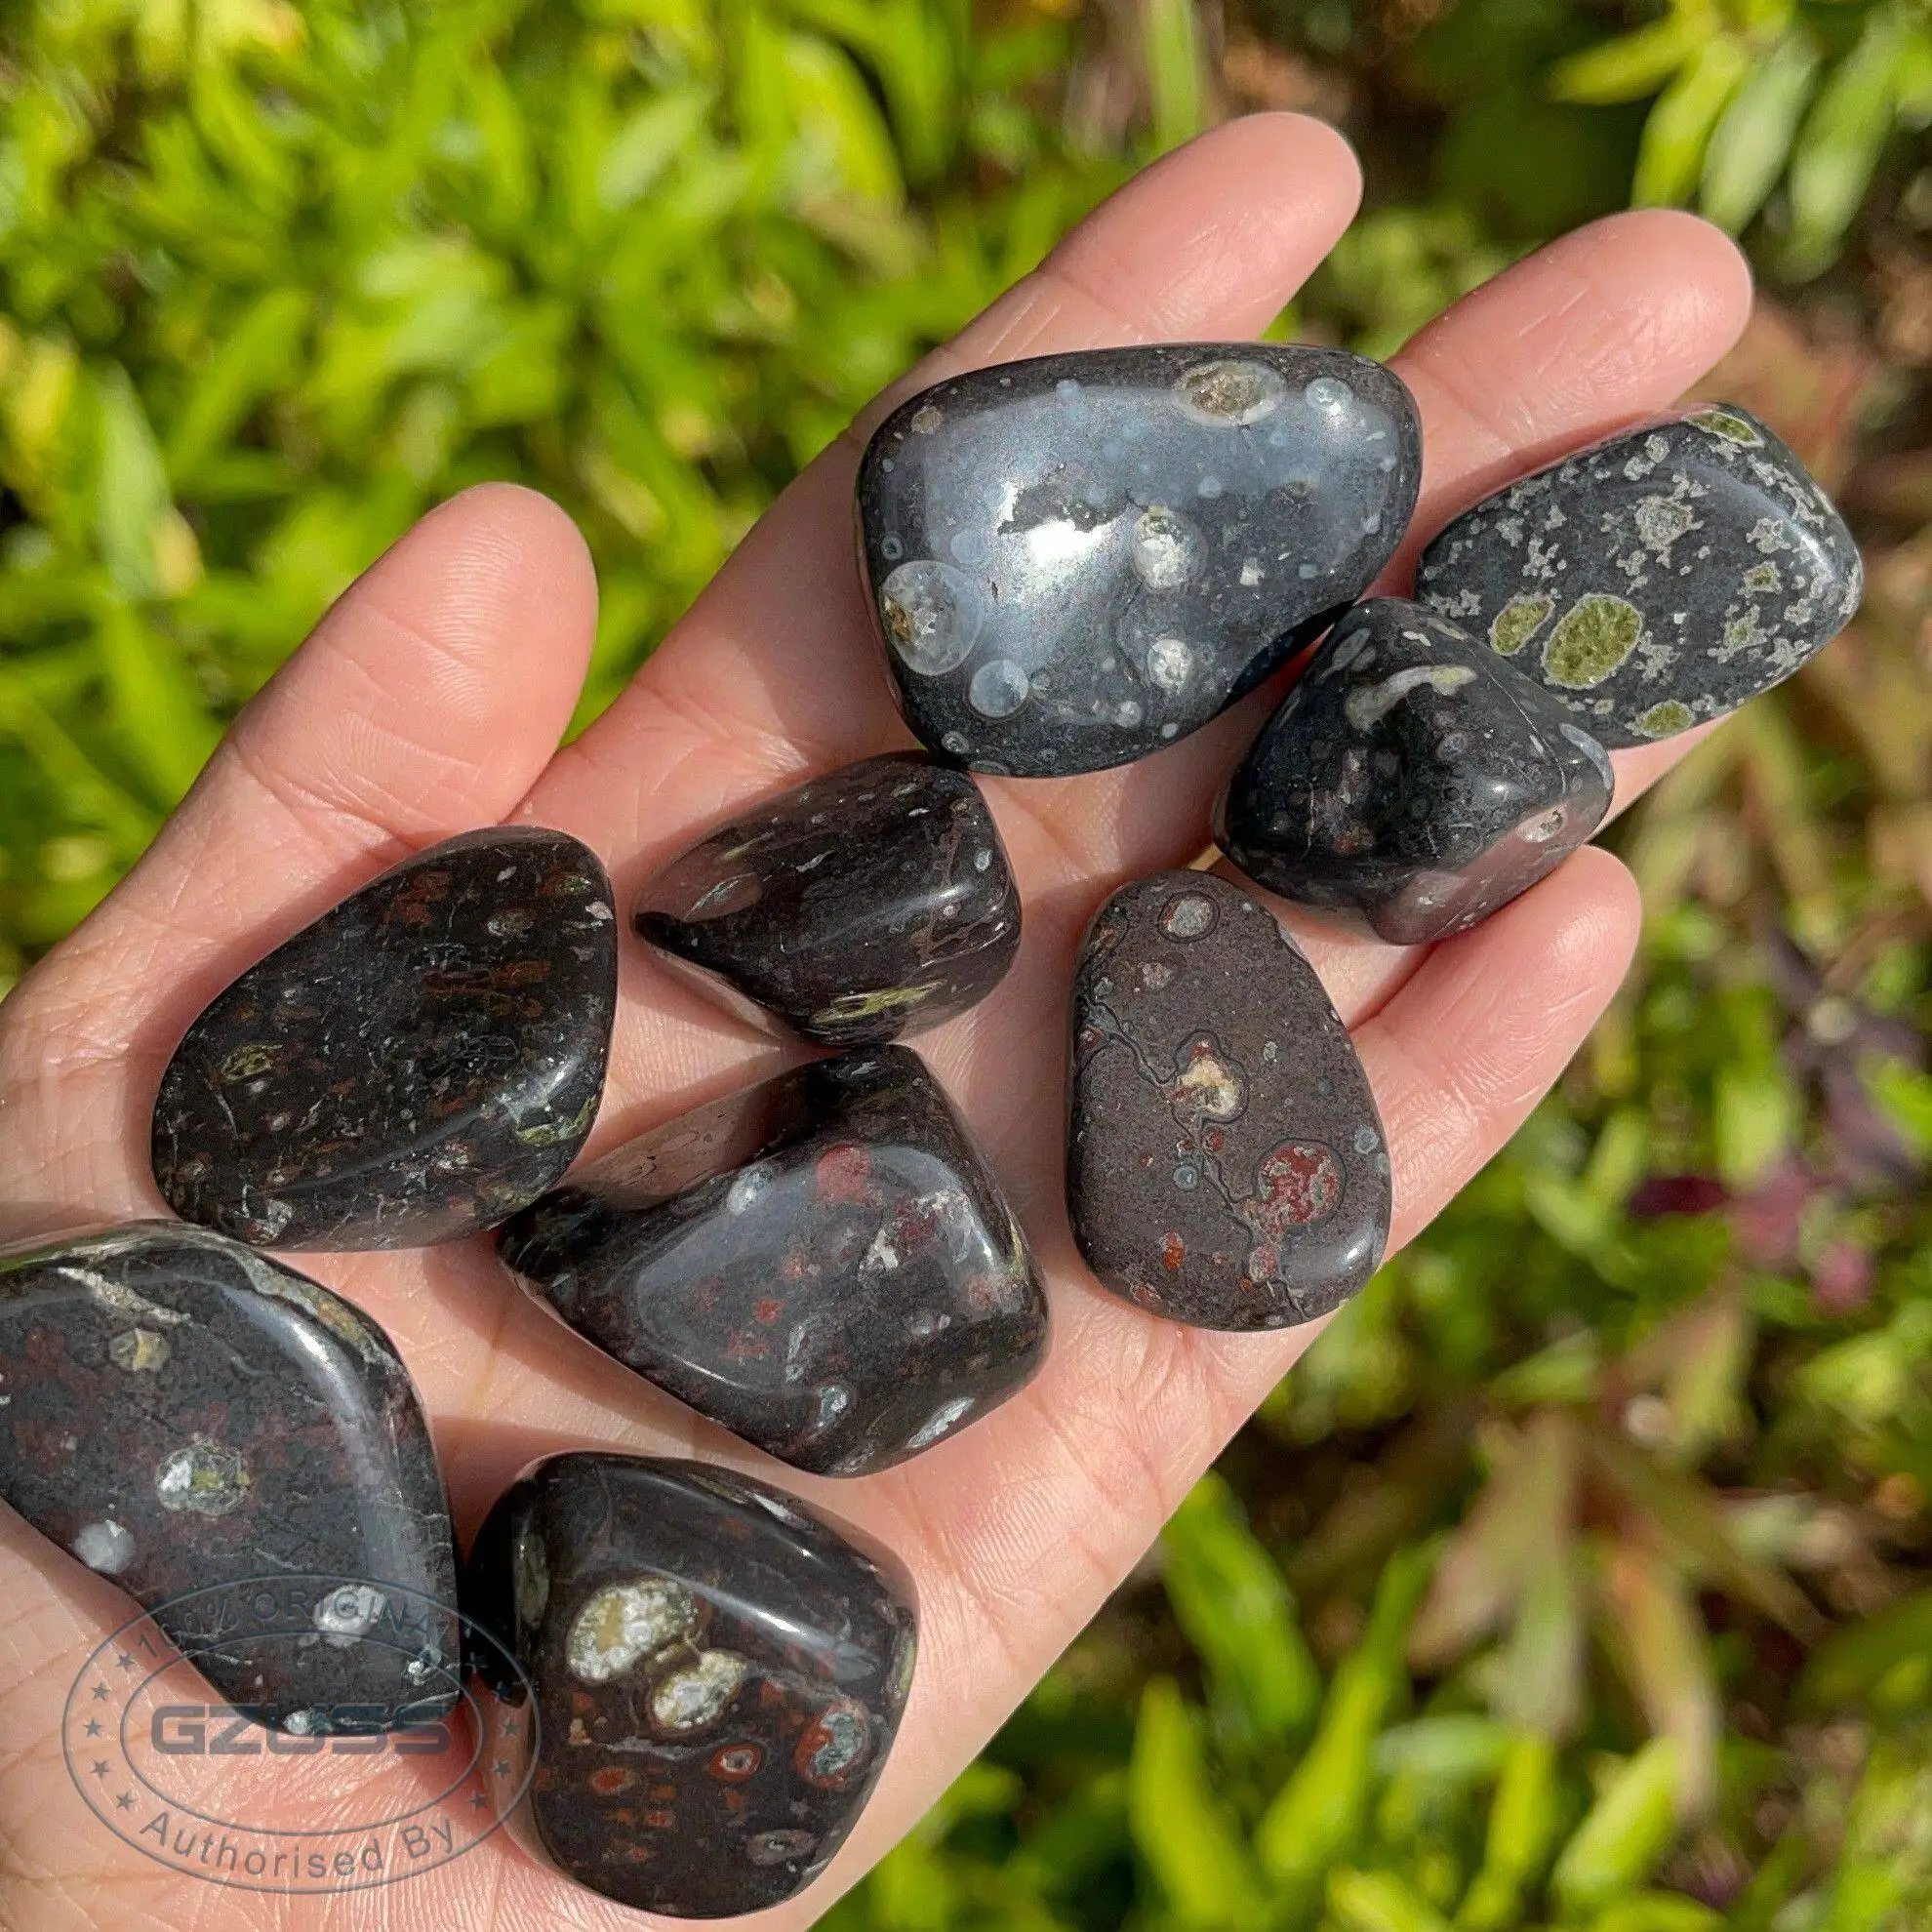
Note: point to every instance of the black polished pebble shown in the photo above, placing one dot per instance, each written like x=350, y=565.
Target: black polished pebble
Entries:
x=1414, y=776
x=719, y=1676
x=1078, y=559
x=874, y=901
x=419, y=1062
x=1224, y=1161
x=1657, y=579
x=823, y=1263
x=182, y=1413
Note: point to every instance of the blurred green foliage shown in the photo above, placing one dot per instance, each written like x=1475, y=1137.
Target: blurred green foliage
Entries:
x=1581, y=1575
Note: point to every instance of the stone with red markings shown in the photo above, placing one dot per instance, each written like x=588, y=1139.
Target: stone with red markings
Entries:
x=1225, y=1164
x=822, y=1262
x=719, y=1675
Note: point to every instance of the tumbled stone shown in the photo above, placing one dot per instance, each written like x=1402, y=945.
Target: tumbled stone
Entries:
x=1657, y=579
x=182, y=1413
x=718, y=1672
x=1224, y=1161
x=1412, y=775
x=823, y=1263
x=1078, y=559
x=874, y=901
x=419, y=1064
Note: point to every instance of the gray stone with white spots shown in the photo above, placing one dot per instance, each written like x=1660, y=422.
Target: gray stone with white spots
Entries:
x=1412, y=775
x=1658, y=579
x=1079, y=559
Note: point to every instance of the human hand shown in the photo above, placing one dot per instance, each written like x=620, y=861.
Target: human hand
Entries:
x=431, y=698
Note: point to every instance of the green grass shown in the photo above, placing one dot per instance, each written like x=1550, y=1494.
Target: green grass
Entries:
x=1581, y=1575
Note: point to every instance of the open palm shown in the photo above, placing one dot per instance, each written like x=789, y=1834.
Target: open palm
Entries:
x=431, y=698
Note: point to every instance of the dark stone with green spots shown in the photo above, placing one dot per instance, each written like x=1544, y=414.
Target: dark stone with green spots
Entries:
x=1658, y=579
x=421, y=1063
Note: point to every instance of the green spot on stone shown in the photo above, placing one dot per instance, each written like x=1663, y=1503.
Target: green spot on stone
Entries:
x=848, y=1007
x=1594, y=636
x=1733, y=429
x=1665, y=720
x=1518, y=621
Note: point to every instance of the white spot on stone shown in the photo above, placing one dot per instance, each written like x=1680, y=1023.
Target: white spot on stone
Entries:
x=626, y=1621
x=1229, y=393
x=1328, y=395
x=1368, y=704
x=998, y=689
x=1166, y=548
x=1170, y=662
x=932, y=615
x=1187, y=916
x=696, y=1697
x=205, y=1479
x=942, y=1422
x=750, y=1189
x=106, y=1547
x=347, y=1615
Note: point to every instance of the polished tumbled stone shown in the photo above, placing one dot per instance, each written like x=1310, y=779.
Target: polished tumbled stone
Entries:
x=874, y=901
x=1224, y=1164
x=182, y=1413
x=1658, y=579
x=1414, y=776
x=823, y=1263
x=419, y=1062
x=1078, y=559
x=719, y=1676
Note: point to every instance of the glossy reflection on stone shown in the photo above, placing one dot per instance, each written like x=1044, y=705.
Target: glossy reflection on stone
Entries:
x=719, y=1675
x=1078, y=559
x=823, y=1263
x=181, y=1412
x=1412, y=775
x=419, y=1064
x=1225, y=1164
x=874, y=901
x=1658, y=579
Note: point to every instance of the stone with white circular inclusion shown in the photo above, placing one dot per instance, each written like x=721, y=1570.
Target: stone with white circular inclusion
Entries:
x=719, y=1675
x=1076, y=560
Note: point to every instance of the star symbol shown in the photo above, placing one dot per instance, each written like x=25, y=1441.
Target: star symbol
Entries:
x=477, y=1800
x=509, y=1727
x=100, y=1767
x=125, y=1802
x=94, y=1727
x=100, y=1691
x=126, y=1662
x=501, y=1767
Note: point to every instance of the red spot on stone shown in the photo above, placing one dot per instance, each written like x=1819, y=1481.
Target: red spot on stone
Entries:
x=746, y=1346
x=1173, y=1251
x=613, y=1778
x=1297, y=1185
x=661, y=1820
x=1212, y=1140
x=770, y=1309
x=843, y=1174
x=736, y=1763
